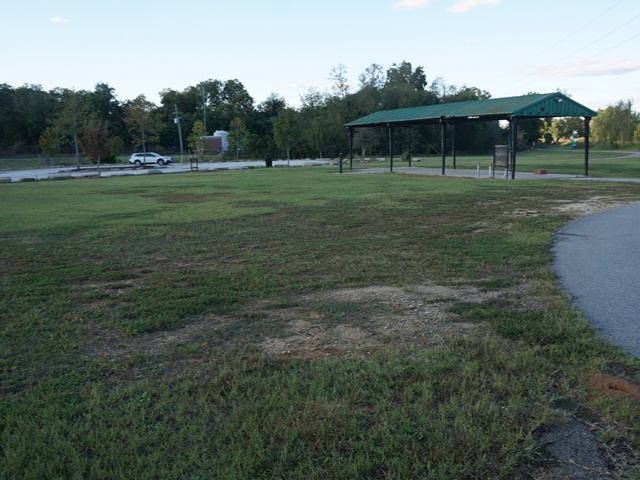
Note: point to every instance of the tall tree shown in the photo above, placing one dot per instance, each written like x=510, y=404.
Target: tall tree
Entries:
x=236, y=102
x=404, y=74
x=143, y=121
x=50, y=142
x=313, y=100
x=237, y=136
x=104, y=103
x=373, y=76
x=615, y=125
x=196, y=140
x=405, y=87
x=285, y=130
x=96, y=142
x=314, y=134
x=72, y=118
x=340, y=82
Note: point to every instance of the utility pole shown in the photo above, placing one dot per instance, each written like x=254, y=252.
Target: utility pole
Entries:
x=176, y=120
x=204, y=111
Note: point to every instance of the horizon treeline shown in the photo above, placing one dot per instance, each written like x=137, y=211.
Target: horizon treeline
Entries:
x=34, y=121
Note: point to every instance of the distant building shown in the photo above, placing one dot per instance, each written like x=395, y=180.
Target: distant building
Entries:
x=217, y=143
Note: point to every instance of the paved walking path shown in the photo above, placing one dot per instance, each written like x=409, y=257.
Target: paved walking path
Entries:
x=598, y=261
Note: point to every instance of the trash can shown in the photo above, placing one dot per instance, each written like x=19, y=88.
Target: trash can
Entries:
x=268, y=161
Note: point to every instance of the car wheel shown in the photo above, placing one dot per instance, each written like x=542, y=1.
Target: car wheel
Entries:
x=137, y=163
x=161, y=162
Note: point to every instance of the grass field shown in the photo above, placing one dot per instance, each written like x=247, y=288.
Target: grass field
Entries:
x=555, y=160
x=294, y=323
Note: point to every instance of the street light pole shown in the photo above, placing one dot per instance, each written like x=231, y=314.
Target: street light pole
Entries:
x=204, y=111
x=176, y=120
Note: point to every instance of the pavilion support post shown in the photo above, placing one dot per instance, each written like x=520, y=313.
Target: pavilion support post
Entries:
x=409, y=145
x=443, y=135
x=453, y=144
x=391, y=148
x=513, y=124
x=350, y=148
x=586, y=145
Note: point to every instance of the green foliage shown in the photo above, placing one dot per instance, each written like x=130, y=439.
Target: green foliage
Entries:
x=196, y=140
x=50, y=141
x=143, y=120
x=286, y=130
x=25, y=113
x=72, y=119
x=237, y=136
x=616, y=125
x=405, y=75
x=96, y=142
x=340, y=83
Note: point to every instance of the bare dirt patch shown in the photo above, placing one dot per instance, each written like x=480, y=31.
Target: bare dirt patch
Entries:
x=601, y=384
x=591, y=206
x=327, y=323
x=353, y=320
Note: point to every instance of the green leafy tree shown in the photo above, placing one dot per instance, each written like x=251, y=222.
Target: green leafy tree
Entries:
x=237, y=136
x=373, y=76
x=563, y=128
x=50, y=142
x=143, y=121
x=96, y=142
x=71, y=120
x=285, y=130
x=405, y=87
x=340, y=82
x=104, y=103
x=616, y=125
x=314, y=134
x=256, y=145
x=367, y=139
x=196, y=140
x=405, y=75
x=25, y=112
x=235, y=102
x=313, y=100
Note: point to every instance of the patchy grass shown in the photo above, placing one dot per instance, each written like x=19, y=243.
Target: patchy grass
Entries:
x=418, y=326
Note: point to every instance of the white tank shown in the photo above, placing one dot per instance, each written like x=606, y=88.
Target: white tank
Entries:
x=223, y=135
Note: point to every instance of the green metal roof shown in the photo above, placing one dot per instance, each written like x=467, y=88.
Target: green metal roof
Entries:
x=535, y=106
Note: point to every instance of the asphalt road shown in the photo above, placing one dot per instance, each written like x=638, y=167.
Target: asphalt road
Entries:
x=598, y=261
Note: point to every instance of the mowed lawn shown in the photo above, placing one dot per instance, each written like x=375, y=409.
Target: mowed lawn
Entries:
x=563, y=160
x=268, y=323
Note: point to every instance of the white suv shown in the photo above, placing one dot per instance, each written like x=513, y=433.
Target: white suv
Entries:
x=149, y=158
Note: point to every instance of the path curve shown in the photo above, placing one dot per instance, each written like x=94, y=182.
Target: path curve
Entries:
x=598, y=261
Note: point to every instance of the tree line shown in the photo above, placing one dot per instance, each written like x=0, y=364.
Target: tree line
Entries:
x=98, y=125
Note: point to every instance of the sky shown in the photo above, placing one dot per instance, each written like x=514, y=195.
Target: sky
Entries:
x=587, y=49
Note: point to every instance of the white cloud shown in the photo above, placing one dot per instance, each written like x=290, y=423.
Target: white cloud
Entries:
x=581, y=68
x=59, y=20
x=402, y=4
x=463, y=6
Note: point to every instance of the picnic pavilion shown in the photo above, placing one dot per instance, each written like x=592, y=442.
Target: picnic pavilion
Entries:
x=510, y=109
